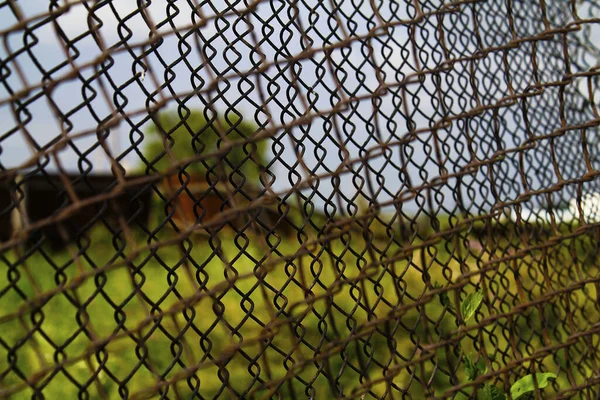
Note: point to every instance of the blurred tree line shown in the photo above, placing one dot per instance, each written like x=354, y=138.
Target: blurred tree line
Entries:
x=198, y=145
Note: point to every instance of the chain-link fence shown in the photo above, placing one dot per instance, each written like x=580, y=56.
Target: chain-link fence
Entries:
x=299, y=199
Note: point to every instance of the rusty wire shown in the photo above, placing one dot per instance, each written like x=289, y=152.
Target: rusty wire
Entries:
x=295, y=198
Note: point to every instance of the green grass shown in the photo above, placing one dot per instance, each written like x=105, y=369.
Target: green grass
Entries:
x=153, y=339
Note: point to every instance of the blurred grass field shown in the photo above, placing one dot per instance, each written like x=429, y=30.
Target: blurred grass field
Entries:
x=149, y=340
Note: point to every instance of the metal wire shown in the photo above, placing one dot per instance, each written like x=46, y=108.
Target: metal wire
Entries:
x=298, y=198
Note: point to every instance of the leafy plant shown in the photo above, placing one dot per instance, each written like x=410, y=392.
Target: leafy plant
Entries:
x=527, y=383
x=444, y=299
x=519, y=388
x=474, y=369
x=490, y=392
x=175, y=138
x=470, y=304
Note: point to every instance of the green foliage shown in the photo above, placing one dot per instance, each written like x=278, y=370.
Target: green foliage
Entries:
x=474, y=369
x=519, y=388
x=527, y=384
x=470, y=304
x=194, y=135
x=444, y=299
x=490, y=392
x=60, y=322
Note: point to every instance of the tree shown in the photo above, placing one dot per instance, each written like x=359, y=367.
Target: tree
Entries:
x=194, y=135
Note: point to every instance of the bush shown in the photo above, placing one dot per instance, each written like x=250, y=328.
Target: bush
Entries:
x=193, y=140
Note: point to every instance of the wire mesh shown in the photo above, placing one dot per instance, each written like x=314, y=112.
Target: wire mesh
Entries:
x=299, y=199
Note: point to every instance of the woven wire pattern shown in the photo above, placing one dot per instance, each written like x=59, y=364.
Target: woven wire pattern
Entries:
x=353, y=171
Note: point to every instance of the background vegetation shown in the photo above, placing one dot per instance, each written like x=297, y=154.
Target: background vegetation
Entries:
x=172, y=272
x=174, y=140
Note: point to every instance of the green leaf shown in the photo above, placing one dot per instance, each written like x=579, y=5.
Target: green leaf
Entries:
x=470, y=304
x=526, y=384
x=474, y=369
x=490, y=392
x=444, y=299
